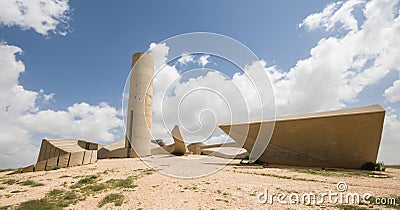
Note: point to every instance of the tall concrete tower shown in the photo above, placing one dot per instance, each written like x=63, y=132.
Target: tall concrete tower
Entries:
x=139, y=119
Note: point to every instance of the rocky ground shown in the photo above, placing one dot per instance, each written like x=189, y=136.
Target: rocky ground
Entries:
x=130, y=184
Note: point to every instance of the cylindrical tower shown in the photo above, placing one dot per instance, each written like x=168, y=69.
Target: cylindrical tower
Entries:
x=139, y=119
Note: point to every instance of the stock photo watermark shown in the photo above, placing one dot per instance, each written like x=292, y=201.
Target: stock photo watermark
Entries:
x=340, y=196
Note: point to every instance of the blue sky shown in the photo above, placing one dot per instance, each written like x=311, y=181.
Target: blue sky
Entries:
x=334, y=54
x=92, y=62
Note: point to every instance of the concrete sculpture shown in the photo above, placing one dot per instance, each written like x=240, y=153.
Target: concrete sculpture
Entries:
x=223, y=150
x=226, y=152
x=114, y=150
x=176, y=148
x=139, y=119
x=118, y=149
x=60, y=153
x=341, y=139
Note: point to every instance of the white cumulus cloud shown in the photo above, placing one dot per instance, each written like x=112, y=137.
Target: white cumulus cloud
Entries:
x=392, y=94
x=21, y=118
x=338, y=13
x=203, y=60
x=340, y=68
x=199, y=102
x=185, y=59
x=82, y=121
x=337, y=71
x=42, y=16
x=389, y=150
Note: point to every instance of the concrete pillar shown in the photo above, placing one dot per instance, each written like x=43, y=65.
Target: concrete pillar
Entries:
x=139, y=119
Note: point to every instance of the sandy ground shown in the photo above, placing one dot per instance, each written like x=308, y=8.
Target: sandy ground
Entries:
x=235, y=186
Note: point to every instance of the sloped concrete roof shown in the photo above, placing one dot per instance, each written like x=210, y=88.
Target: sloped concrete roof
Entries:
x=66, y=145
x=343, y=138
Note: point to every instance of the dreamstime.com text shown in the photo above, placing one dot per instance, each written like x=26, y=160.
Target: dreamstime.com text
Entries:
x=339, y=196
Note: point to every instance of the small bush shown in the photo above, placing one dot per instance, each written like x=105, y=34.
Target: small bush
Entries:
x=121, y=183
x=115, y=198
x=5, y=207
x=380, y=167
x=42, y=204
x=55, y=199
x=30, y=183
x=55, y=193
x=84, y=181
x=250, y=161
x=10, y=181
x=370, y=166
x=91, y=189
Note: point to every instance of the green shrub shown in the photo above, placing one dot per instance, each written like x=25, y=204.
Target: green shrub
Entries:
x=84, y=181
x=55, y=199
x=10, y=181
x=42, y=204
x=121, y=183
x=380, y=167
x=249, y=161
x=370, y=166
x=115, y=198
x=30, y=183
x=92, y=189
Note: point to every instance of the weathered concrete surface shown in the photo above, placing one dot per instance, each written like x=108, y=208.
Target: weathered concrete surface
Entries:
x=344, y=138
x=60, y=153
x=51, y=163
x=30, y=168
x=63, y=160
x=87, y=157
x=225, y=150
x=41, y=165
x=178, y=147
x=196, y=147
x=76, y=158
x=139, y=119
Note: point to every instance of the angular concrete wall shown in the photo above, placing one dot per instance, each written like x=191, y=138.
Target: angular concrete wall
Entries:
x=343, y=139
x=41, y=165
x=76, y=158
x=62, y=153
x=196, y=147
x=176, y=148
x=63, y=160
x=30, y=168
x=52, y=163
x=87, y=157
x=93, y=158
x=113, y=150
x=224, y=150
x=179, y=147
